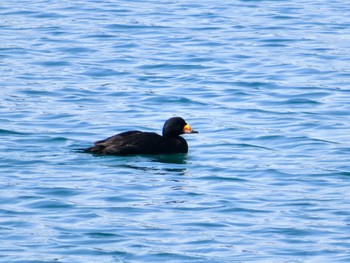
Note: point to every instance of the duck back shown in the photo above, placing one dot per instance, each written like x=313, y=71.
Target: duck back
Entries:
x=137, y=142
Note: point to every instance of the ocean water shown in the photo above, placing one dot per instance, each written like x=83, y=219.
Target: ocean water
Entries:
x=266, y=84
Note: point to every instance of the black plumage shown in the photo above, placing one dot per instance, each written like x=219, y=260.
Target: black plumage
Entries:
x=138, y=142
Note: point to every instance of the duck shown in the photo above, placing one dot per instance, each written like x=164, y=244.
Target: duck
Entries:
x=139, y=142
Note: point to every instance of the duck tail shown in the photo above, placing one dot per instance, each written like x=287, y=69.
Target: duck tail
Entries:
x=94, y=149
x=85, y=150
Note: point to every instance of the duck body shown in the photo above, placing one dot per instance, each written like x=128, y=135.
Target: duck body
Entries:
x=138, y=142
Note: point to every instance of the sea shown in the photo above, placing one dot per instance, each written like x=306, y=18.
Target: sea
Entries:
x=266, y=83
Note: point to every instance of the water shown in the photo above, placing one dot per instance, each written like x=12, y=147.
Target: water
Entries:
x=266, y=83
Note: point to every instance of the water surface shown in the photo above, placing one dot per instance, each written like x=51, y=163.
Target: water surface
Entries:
x=266, y=83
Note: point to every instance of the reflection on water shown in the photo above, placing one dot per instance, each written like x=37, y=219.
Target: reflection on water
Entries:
x=180, y=158
x=163, y=163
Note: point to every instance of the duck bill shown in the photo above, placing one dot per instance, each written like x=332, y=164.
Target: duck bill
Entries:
x=188, y=129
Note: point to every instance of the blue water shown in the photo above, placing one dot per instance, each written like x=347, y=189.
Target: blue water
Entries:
x=267, y=85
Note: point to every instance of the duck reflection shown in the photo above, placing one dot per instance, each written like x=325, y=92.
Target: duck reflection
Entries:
x=161, y=164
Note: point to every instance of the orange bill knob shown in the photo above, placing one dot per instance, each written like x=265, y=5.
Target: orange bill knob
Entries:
x=188, y=129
